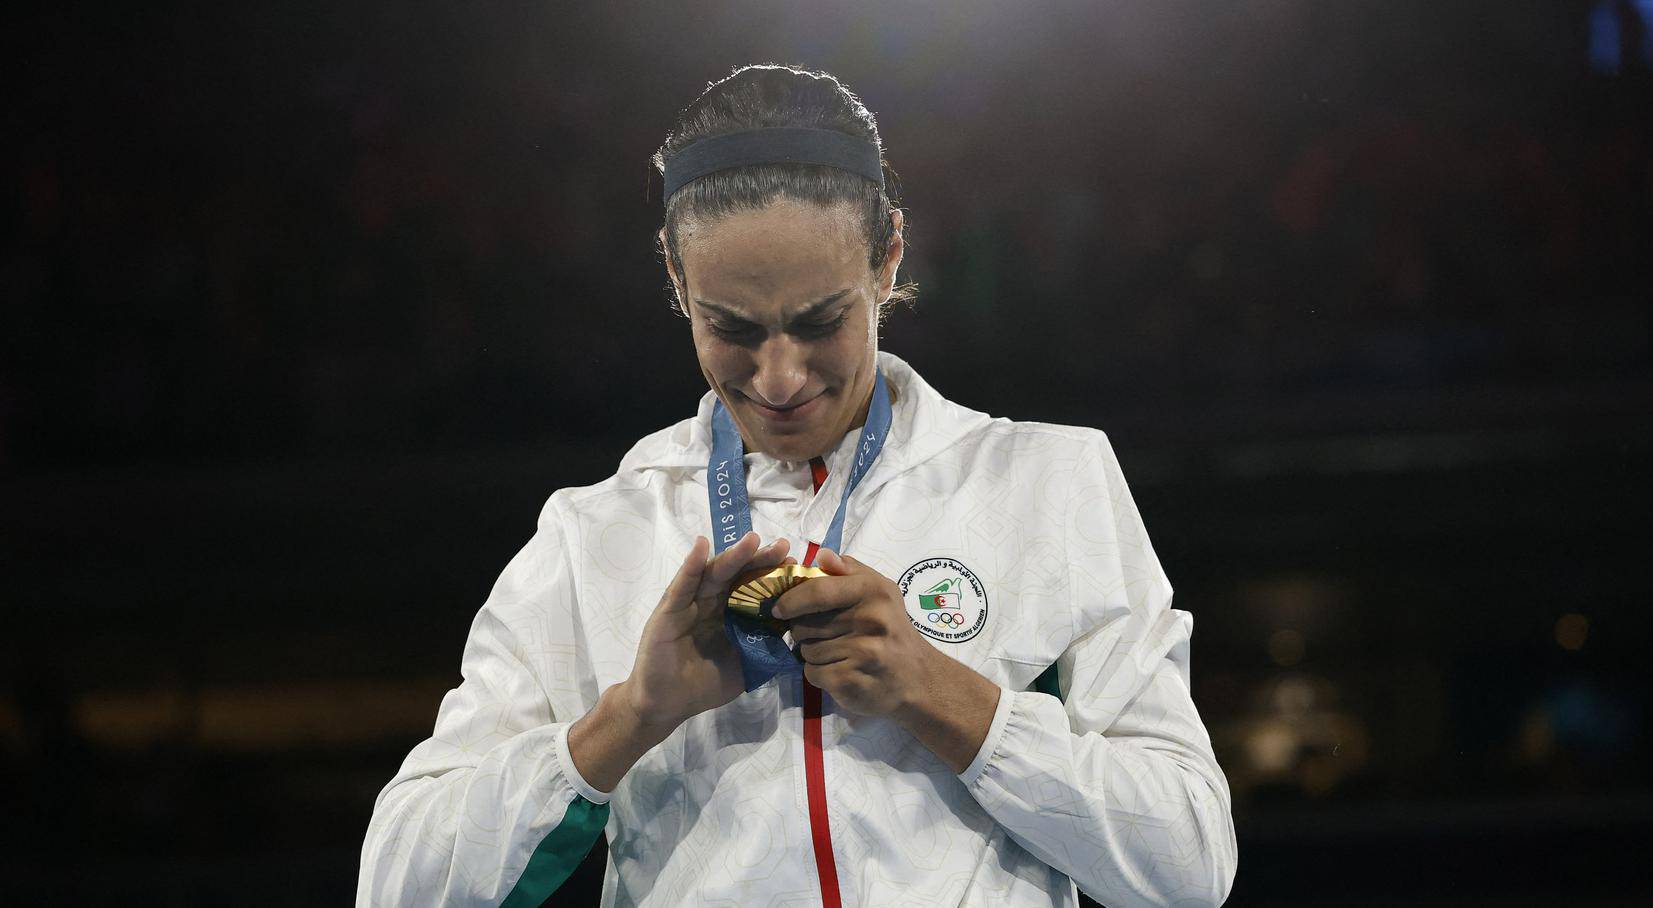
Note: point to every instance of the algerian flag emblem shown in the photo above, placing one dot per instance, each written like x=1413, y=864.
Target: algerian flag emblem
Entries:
x=943, y=595
x=945, y=600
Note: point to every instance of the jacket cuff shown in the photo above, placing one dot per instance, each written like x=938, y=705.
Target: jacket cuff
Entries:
x=995, y=732
x=559, y=745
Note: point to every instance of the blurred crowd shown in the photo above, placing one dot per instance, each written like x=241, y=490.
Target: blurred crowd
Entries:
x=242, y=234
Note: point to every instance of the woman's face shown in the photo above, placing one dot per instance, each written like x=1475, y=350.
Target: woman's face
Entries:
x=782, y=306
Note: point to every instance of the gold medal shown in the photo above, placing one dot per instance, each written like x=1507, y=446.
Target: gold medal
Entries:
x=753, y=594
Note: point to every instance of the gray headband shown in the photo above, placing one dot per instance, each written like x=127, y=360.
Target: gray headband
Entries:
x=776, y=145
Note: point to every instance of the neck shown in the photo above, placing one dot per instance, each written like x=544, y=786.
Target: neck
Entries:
x=861, y=411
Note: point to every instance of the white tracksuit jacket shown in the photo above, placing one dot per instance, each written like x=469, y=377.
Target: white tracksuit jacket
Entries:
x=1019, y=540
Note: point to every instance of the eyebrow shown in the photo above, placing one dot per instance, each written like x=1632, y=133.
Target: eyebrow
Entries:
x=812, y=309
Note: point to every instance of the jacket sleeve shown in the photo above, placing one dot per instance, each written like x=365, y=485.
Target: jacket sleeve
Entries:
x=489, y=810
x=1115, y=783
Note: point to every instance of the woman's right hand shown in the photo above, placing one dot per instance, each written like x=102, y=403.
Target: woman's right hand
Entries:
x=685, y=662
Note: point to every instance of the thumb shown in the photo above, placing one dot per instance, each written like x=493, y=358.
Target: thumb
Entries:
x=834, y=564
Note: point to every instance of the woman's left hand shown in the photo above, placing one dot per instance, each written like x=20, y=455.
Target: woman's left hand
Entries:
x=855, y=637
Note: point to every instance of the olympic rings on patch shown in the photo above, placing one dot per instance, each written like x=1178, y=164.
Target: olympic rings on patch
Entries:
x=947, y=619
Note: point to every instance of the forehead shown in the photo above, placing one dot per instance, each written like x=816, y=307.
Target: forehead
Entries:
x=786, y=254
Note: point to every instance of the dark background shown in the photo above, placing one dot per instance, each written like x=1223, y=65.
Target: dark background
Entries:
x=309, y=306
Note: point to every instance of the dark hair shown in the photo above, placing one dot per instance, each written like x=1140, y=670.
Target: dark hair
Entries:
x=768, y=95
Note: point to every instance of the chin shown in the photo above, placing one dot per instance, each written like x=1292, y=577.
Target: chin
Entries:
x=801, y=441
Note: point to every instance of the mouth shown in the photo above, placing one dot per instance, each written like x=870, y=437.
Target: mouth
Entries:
x=793, y=414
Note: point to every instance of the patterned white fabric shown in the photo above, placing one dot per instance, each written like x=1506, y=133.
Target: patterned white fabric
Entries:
x=1113, y=788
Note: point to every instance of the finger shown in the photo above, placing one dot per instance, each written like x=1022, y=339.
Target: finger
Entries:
x=767, y=557
x=742, y=556
x=731, y=559
x=715, y=578
x=713, y=586
x=680, y=591
x=775, y=551
x=840, y=565
x=822, y=625
x=826, y=677
x=823, y=594
x=824, y=652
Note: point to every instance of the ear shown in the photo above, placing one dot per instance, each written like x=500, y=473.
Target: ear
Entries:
x=892, y=257
x=676, y=279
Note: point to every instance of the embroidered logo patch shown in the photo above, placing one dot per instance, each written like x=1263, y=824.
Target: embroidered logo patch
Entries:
x=944, y=599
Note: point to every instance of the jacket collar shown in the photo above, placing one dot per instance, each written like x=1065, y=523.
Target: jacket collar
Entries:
x=923, y=424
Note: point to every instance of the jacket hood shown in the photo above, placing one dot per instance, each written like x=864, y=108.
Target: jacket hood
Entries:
x=922, y=425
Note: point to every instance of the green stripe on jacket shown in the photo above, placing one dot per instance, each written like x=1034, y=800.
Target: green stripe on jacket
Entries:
x=558, y=854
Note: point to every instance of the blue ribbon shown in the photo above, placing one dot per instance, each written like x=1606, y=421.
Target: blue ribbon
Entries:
x=763, y=654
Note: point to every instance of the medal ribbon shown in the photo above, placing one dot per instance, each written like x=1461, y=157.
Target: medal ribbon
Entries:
x=763, y=654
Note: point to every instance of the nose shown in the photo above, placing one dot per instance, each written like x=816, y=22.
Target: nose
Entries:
x=782, y=371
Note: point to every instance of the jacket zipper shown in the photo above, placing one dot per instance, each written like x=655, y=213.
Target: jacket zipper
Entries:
x=826, y=868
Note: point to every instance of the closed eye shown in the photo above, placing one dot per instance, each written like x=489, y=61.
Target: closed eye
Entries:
x=726, y=323
x=734, y=332
x=822, y=329
x=747, y=332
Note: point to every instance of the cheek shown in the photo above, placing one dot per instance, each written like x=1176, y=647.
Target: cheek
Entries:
x=855, y=349
x=722, y=361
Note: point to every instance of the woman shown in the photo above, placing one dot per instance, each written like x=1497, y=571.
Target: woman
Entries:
x=986, y=704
